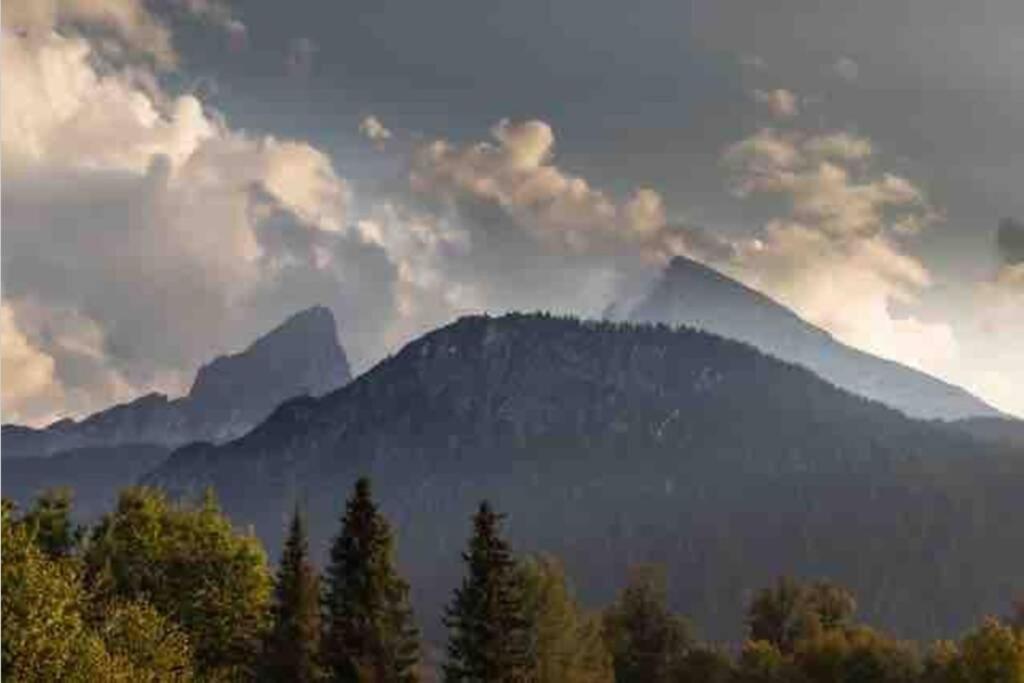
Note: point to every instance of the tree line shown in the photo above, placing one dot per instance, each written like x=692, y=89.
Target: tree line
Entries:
x=163, y=591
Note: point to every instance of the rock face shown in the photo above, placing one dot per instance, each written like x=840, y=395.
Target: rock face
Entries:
x=230, y=395
x=233, y=393
x=694, y=295
x=613, y=444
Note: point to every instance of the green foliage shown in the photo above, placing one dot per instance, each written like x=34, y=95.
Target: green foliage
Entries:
x=192, y=566
x=369, y=634
x=45, y=637
x=49, y=520
x=293, y=646
x=855, y=655
x=789, y=611
x=763, y=662
x=52, y=631
x=489, y=636
x=649, y=644
x=566, y=644
x=152, y=647
x=704, y=664
x=992, y=653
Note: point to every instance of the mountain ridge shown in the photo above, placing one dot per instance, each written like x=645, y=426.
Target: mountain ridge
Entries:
x=610, y=444
x=229, y=395
x=696, y=295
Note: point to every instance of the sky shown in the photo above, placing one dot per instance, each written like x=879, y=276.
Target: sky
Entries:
x=181, y=175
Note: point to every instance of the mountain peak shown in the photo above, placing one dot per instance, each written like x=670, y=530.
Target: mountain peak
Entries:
x=300, y=356
x=690, y=293
x=314, y=324
x=229, y=396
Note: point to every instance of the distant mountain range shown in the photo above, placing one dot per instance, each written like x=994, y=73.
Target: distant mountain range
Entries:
x=608, y=443
x=689, y=293
x=229, y=396
x=111, y=449
x=612, y=444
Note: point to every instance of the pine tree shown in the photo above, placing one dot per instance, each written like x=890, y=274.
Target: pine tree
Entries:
x=292, y=649
x=488, y=631
x=369, y=633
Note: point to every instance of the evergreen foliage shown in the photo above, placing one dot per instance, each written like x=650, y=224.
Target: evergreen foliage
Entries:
x=489, y=635
x=292, y=652
x=369, y=634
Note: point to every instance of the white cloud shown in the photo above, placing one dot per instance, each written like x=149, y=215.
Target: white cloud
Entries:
x=130, y=20
x=835, y=258
x=781, y=103
x=151, y=235
x=561, y=209
x=374, y=130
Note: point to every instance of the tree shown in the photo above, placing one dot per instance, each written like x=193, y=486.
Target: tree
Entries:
x=790, y=610
x=763, y=662
x=488, y=638
x=144, y=642
x=293, y=646
x=51, y=525
x=566, y=644
x=775, y=614
x=192, y=566
x=855, y=655
x=648, y=643
x=53, y=632
x=369, y=634
x=705, y=664
x=993, y=653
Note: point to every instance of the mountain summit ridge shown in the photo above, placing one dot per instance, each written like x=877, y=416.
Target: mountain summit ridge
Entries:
x=693, y=294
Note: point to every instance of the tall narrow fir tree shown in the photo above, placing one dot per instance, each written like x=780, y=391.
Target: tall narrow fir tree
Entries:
x=292, y=649
x=488, y=630
x=369, y=633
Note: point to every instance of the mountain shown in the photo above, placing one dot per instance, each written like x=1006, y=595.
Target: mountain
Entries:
x=613, y=444
x=689, y=293
x=229, y=396
x=95, y=475
x=998, y=430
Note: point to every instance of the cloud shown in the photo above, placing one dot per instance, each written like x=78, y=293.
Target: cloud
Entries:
x=142, y=234
x=822, y=178
x=562, y=210
x=836, y=256
x=129, y=20
x=1010, y=241
x=374, y=130
x=781, y=103
x=29, y=382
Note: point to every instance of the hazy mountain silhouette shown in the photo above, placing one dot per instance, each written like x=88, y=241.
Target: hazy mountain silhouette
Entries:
x=612, y=444
x=689, y=293
x=229, y=396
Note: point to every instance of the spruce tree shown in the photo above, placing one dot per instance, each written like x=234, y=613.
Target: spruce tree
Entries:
x=292, y=650
x=369, y=633
x=488, y=631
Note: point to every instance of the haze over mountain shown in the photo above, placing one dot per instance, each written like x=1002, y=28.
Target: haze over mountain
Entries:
x=689, y=293
x=613, y=444
x=229, y=395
